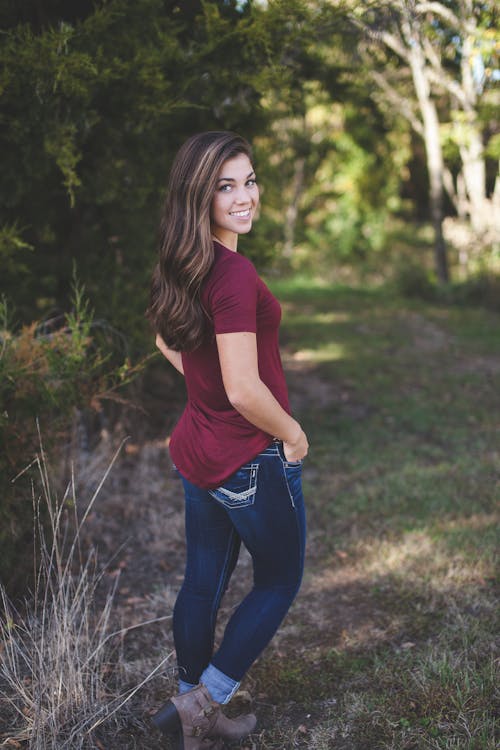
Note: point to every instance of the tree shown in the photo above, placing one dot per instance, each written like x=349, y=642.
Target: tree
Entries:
x=441, y=45
x=95, y=99
x=328, y=168
x=472, y=41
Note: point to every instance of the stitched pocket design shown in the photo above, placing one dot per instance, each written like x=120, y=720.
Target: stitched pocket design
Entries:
x=293, y=478
x=239, y=490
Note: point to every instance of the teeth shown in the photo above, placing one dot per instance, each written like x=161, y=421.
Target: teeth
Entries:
x=240, y=213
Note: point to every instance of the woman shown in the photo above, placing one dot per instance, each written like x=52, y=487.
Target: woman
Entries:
x=237, y=447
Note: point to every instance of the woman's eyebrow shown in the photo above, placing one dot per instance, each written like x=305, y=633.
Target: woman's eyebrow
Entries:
x=231, y=179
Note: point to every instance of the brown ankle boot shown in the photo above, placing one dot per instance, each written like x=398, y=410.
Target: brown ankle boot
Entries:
x=201, y=719
x=232, y=729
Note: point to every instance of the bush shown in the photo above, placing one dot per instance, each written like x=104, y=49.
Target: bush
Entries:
x=47, y=372
x=413, y=280
x=480, y=290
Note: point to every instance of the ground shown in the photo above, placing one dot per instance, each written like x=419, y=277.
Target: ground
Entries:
x=392, y=641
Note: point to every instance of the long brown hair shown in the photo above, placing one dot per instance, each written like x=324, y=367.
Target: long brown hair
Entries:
x=185, y=249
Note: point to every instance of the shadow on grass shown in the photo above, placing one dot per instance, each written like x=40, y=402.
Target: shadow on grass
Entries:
x=391, y=641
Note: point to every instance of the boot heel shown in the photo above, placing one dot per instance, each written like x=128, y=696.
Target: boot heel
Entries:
x=167, y=719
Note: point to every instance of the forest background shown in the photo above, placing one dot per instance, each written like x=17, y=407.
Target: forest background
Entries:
x=97, y=97
x=377, y=140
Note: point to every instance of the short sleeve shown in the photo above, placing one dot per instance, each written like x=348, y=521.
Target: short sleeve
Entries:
x=232, y=300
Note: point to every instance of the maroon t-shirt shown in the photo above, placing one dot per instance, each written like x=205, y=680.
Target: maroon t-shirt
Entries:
x=212, y=439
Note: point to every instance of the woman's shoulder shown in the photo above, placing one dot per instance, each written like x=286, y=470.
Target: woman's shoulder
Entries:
x=227, y=262
x=232, y=275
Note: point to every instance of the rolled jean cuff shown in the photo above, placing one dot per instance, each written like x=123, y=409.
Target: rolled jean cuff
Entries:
x=219, y=685
x=185, y=687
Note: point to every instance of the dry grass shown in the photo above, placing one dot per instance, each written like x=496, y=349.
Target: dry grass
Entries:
x=392, y=643
x=62, y=671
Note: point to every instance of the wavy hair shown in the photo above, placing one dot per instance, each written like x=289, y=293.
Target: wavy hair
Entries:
x=185, y=246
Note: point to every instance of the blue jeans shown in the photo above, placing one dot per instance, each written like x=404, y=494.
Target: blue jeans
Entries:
x=262, y=506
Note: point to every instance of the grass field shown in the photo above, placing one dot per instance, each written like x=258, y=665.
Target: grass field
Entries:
x=391, y=643
x=397, y=620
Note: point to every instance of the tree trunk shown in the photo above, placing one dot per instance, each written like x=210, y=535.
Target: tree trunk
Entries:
x=470, y=141
x=474, y=172
x=292, y=211
x=434, y=154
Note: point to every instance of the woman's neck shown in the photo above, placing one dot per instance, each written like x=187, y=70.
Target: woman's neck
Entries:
x=229, y=240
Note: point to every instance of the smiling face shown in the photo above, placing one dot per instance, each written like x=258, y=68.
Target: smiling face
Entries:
x=235, y=201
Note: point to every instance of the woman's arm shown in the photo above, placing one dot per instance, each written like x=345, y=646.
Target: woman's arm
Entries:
x=175, y=358
x=252, y=398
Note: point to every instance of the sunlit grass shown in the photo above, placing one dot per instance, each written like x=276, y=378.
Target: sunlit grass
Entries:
x=391, y=644
x=403, y=491
x=420, y=556
x=326, y=353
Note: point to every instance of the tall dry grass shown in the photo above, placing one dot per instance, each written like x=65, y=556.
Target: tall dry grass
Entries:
x=59, y=654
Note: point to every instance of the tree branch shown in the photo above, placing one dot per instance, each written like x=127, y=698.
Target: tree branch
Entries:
x=431, y=54
x=440, y=10
x=440, y=78
x=390, y=40
x=401, y=103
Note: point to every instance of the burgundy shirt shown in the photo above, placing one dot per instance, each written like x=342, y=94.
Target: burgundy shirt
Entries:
x=212, y=440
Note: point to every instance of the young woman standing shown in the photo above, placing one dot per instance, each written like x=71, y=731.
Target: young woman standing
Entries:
x=236, y=446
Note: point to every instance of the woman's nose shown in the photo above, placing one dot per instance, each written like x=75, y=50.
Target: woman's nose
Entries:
x=242, y=195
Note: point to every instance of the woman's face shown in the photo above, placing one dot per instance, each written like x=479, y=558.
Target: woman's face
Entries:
x=235, y=200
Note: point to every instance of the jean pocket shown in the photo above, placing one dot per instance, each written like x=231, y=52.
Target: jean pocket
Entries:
x=292, y=474
x=286, y=463
x=292, y=471
x=239, y=490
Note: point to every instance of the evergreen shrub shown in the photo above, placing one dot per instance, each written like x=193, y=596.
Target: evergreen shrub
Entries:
x=47, y=372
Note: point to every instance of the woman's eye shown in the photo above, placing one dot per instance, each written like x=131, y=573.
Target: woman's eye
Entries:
x=228, y=187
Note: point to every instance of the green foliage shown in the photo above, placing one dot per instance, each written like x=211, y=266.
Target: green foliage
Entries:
x=413, y=280
x=46, y=373
x=479, y=290
x=94, y=103
x=12, y=247
x=96, y=98
x=493, y=148
x=355, y=188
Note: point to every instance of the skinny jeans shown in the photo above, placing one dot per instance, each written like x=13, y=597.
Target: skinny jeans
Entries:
x=261, y=505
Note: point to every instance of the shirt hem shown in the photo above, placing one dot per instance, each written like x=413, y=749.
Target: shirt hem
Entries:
x=260, y=446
